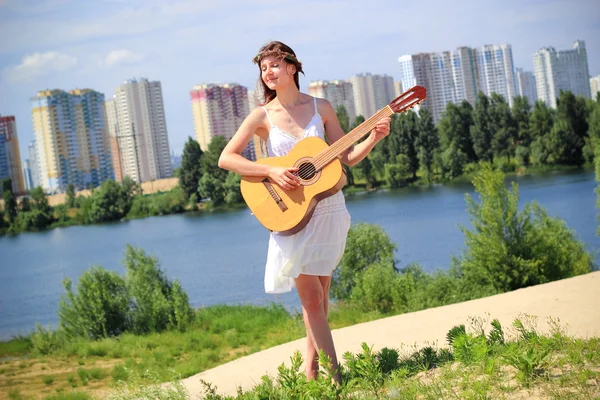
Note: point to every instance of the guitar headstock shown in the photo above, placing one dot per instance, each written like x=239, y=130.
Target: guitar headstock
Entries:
x=408, y=99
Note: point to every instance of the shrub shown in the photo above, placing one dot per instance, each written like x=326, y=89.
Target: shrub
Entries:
x=98, y=309
x=375, y=288
x=366, y=245
x=46, y=341
x=157, y=303
x=508, y=249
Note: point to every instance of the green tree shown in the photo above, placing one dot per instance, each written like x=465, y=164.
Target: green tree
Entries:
x=398, y=173
x=564, y=146
x=210, y=159
x=366, y=245
x=25, y=205
x=40, y=201
x=343, y=118
x=593, y=138
x=191, y=167
x=453, y=161
x=427, y=142
x=3, y=223
x=521, y=111
x=70, y=195
x=455, y=126
x=40, y=214
x=364, y=170
x=409, y=133
x=503, y=127
x=231, y=188
x=572, y=111
x=98, y=309
x=540, y=125
x=508, y=249
x=541, y=120
x=107, y=203
x=482, y=130
x=10, y=201
x=210, y=187
x=157, y=303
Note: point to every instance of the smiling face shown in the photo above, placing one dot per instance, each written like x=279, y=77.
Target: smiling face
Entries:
x=276, y=73
x=278, y=67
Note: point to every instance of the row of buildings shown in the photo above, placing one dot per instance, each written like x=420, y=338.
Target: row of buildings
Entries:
x=454, y=76
x=81, y=138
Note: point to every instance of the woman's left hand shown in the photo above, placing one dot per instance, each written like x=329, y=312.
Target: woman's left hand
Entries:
x=382, y=129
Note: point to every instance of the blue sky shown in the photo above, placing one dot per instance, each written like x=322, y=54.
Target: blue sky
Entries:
x=66, y=44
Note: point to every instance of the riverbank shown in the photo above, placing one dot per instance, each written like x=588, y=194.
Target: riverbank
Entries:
x=64, y=217
x=95, y=368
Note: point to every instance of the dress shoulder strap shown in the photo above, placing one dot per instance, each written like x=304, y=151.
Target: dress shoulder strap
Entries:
x=315, y=101
x=268, y=116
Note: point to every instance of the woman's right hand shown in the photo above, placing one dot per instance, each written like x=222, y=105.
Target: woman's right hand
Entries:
x=284, y=177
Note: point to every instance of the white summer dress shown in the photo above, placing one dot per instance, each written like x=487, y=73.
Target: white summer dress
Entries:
x=318, y=248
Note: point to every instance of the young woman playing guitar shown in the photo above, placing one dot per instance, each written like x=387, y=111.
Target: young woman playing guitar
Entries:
x=305, y=259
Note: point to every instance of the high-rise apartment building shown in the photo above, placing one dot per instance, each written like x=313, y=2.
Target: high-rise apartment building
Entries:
x=27, y=175
x=526, y=85
x=434, y=72
x=459, y=75
x=398, y=88
x=138, y=128
x=33, y=165
x=595, y=86
x=495, y=71
x=219, y=110
x=10, y=157
x=464, y=73
x=563, y=70
x=112, y=123
x=338, y=93
x=71, y=139
x=371, y=93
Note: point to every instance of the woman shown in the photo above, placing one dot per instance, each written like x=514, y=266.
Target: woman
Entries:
x=306, y=259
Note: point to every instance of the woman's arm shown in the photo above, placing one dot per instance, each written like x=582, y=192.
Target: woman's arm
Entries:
x=334, y=132
x=232, y=160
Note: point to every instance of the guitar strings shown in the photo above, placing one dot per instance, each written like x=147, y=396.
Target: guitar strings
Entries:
x=330, y=152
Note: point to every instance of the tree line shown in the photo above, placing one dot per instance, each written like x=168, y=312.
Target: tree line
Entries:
x=507, y=137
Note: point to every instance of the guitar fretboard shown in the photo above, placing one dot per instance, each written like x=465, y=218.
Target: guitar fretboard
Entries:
x=333, y=151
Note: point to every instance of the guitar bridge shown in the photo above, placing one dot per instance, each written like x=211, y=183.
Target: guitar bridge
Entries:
x=274, y=195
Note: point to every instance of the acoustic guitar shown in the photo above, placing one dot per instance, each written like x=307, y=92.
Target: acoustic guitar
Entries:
x=319, y=170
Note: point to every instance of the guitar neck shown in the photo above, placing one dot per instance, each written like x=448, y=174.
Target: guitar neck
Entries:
x=340, y=146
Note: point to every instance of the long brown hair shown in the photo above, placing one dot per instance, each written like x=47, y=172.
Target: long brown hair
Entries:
x=280, y=51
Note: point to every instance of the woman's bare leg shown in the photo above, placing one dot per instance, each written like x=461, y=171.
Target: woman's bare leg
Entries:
x=314, y=296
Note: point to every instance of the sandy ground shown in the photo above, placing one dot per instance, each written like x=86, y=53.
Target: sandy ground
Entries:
x=575, y=302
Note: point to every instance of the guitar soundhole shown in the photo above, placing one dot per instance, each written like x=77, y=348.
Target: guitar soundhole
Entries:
x=306, y=171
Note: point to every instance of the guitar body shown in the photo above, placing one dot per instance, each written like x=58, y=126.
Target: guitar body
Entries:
x=288, y=212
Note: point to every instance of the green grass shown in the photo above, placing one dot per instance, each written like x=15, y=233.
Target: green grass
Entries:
x=474, y=365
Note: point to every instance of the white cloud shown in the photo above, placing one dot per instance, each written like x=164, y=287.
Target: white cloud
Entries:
x=38, y=64
x=117, y=57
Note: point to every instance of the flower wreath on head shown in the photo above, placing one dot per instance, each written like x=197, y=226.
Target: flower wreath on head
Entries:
x=278, y=54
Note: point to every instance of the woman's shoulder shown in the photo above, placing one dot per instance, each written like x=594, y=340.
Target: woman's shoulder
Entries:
x=324, y=107
x=258, y=119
